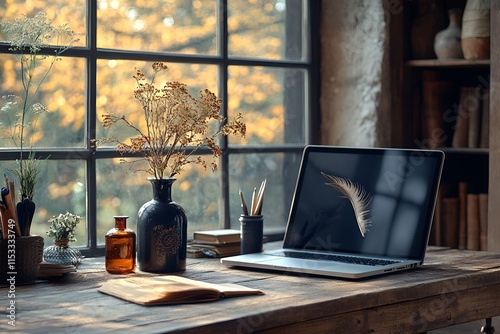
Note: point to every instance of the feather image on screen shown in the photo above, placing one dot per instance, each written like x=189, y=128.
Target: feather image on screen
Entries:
x=358, y=197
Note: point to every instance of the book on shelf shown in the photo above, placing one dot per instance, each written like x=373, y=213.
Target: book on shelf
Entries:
x=472, y=222
x=463, y=219
x=483, y=222
x=474, y=109
x=435, y=238
x=471, y=127
x=484, y=140
x=461, y=129
x=450, y=210
x=217, y=236
x=437, y=97
x=171, y=289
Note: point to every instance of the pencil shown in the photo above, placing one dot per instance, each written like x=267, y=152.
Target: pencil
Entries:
x=243, y=204
x=254, y=203
x=260, y=197
x=5, y=221
x=10, y=210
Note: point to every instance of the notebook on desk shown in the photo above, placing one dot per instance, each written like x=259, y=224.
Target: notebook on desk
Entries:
x=356, y=212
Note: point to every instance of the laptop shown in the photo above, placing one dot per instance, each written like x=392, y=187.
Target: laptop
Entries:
x=356, y=212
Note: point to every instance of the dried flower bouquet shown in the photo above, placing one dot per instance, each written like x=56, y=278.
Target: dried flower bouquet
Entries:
x=177, y=125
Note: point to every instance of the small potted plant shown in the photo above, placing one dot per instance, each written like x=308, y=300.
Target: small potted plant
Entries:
x=27, y=37
x=63, y=229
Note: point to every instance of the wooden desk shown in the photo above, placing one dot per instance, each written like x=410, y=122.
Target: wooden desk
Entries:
x=452, y=287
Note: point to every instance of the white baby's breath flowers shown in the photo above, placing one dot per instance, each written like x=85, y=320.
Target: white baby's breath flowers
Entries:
x=63, y=226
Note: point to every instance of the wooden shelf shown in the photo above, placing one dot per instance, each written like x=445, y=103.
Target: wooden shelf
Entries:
x=465, y=150
x=421, y=106
x=451, y=63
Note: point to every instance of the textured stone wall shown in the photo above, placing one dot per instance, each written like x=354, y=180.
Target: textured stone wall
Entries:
x=354, y=112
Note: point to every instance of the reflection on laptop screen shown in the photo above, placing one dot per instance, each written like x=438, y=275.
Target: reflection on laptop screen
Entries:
x=378, y=202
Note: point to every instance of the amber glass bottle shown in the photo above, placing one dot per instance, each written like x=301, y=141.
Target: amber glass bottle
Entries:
x=120, y=248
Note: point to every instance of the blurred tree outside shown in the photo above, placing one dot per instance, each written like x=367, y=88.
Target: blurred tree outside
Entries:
x=179, y=28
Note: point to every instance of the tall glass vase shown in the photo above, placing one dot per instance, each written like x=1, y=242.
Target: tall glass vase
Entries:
x=161, y=231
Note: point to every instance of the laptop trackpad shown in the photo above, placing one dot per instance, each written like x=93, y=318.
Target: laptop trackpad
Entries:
x=286, y=263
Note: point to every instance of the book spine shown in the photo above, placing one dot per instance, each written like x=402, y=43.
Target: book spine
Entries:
x=437, y=222
x=437, y=96
x=462, y=218
x=450, y=218
x=472, y=222
x=474, y=111
x=484, y=141
x=461, y=133
x=483, y=222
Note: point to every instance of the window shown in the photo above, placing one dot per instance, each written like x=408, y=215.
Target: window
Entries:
x=254, y=54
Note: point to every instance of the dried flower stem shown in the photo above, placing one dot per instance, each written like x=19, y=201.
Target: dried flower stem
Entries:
x=175, y=121
x=27, y=37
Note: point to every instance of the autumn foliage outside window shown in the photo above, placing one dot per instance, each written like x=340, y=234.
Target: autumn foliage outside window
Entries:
x=259, y=67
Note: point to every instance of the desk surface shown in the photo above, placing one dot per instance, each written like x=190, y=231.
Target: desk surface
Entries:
x=452, y=287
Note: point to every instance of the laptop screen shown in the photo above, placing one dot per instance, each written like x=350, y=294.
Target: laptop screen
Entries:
x=365, y=201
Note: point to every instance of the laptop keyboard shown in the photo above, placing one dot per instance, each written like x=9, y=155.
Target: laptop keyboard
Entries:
x=332, y=257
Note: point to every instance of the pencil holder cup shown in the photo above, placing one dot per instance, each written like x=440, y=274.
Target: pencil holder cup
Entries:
x=20, y=259
x=252, y=230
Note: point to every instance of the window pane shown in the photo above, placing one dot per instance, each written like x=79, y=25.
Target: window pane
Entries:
x=115, y=93
x=249, y=170
x=122, y=192
x=272, y=101
x=62, y=93
x=72, y=12
x=179, y=26
x=62, y=187
x=271, y=29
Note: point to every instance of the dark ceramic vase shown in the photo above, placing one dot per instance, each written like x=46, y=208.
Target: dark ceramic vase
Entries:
x=161, y=231
x=25, y=210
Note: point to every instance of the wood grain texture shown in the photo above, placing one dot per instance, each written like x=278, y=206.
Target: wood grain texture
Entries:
x=494, y=141
x=452, y=287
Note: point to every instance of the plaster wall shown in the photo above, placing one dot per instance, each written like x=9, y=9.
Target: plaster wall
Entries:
x=354, y=112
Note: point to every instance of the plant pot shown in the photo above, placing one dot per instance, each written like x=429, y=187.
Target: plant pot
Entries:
x=20, y=259
x=61, y=253
x=161, y=231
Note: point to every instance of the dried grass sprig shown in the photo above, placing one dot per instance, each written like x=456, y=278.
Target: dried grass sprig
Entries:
x=177, y=125
x=27, y=37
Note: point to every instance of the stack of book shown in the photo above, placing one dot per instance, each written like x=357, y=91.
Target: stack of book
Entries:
x=461, y=221
x=215, y=243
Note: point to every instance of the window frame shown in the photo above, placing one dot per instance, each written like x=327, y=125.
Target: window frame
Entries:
x=91, y=54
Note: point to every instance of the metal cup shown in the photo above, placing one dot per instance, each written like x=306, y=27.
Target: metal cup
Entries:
x=252, y=230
